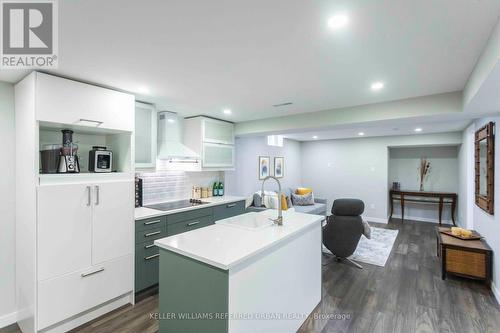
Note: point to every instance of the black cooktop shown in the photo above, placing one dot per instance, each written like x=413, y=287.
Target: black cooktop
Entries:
x=166, y=206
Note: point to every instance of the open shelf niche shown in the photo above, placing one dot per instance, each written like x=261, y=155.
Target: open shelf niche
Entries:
x=120, y=143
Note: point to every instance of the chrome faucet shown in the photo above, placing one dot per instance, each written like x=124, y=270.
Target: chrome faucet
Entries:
x=279, y=220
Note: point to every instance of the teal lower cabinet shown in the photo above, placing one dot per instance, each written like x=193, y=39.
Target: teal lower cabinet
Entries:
x=146, y=265
x=188, y=225
x=148, y=230
x=229, y=210
x=193, y=296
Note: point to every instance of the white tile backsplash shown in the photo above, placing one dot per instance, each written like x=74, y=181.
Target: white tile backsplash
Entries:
x=162, y=186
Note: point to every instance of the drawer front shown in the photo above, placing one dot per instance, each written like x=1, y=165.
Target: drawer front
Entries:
x=189, y=215
x=229, y=210
x=150, y=235
x=152, y=223
x=465, y=262
x=189, y=225
x=146, y=265
x=71, y=294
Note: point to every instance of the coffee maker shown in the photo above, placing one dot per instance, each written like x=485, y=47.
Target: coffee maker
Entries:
x=68, y=161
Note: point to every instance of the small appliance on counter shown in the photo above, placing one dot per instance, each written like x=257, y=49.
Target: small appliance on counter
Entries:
x=49, y=158
x=138, y=192
x=68, y=160
x=100, y=159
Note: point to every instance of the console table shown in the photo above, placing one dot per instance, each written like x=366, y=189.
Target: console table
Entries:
x=440, y=198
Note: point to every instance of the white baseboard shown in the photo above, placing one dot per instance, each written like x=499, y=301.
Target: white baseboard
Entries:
x=376, y=220
x=495, y=291
x=422, y=219
x=8, y=319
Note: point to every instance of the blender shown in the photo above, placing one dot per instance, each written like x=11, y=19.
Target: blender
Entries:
x=68, y=161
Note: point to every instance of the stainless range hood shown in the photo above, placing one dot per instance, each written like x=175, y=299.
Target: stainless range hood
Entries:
x=170, y=147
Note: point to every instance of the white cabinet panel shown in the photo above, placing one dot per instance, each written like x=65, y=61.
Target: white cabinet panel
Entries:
x=217, y=131
x=145, y=135
x=218, y=155
x=113, y=220
x=70, y=102
x=71, y=294
x=64, y=229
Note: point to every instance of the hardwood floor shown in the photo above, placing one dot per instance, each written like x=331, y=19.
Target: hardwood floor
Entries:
x=407, y=295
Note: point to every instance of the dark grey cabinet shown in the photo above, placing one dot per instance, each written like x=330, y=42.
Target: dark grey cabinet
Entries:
x=148, y=230
x=229, y=210
x=146, y=253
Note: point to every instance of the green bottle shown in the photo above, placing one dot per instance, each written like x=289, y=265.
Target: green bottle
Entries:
x=215, y=190
x=221, y=189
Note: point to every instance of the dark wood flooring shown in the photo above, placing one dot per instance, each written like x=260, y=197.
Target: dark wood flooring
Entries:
x=407, y=295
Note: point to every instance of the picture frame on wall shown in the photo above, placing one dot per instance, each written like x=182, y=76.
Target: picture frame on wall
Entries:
x=279, y=167
x=264, y=166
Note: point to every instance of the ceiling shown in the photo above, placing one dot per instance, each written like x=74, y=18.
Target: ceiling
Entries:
x=407, y=126
x=200, y=57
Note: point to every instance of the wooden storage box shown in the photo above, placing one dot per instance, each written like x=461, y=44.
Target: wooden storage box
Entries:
x=466, y=258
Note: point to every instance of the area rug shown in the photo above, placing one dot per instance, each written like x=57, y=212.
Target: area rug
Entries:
x=376, y=250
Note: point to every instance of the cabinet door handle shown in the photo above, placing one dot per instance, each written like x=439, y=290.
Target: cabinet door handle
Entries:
x=96, y=195
x=149, y=246
x=152, y=234
x=92, y=273
x=231, y=205
x=152, y=222
x=193, y=223
x=89, y=194
x=97, y=122
x=152, y=257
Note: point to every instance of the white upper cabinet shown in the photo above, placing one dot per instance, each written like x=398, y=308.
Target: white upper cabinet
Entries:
x=216, y=155
x=213, y=140
x=145, y=135
x=64, y=101
x=216, y=131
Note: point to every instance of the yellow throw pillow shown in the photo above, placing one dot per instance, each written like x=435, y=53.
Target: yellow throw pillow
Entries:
x=303, y=191
x=284, y=204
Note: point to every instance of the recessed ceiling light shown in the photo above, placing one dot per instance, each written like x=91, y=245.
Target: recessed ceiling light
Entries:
x=171, y=120
x=143, y=90
x=377, y=85
x=338, y=21
x=361, y=133
x=418, y=129
x=315, y=137
x=227, y=111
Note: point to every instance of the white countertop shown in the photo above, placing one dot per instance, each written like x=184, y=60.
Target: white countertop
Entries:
x=142, y=213
x=225, y=246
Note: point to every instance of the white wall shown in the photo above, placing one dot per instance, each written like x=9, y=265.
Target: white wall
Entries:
x=358, y=168
x=489, y=225
x=443, y=176
x=466, y=178
x=245, y=179
x=7, y=205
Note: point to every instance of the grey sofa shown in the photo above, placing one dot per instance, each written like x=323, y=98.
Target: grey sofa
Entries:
x=319, y=208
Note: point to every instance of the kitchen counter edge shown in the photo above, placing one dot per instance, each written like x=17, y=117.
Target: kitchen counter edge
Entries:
x=142, y=213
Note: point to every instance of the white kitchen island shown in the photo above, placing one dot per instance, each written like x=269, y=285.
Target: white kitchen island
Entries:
x=243, y=274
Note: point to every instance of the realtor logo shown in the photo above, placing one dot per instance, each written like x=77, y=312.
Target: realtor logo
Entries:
x=29, y=34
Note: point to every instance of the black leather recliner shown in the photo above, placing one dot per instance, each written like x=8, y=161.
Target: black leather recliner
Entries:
x=344, y=228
